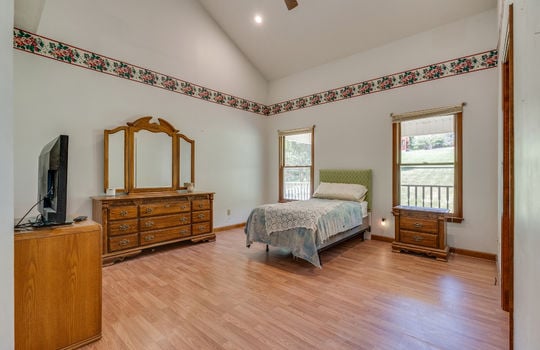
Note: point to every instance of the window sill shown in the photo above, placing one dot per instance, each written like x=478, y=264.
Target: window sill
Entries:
x=288, y=200
x=454, y=219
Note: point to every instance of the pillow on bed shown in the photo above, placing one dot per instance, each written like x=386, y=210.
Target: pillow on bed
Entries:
x=349, y=192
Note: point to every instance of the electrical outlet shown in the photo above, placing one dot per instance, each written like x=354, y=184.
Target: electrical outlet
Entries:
x=228, y=212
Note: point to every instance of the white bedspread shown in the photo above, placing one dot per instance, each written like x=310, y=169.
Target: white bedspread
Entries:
x=286, y=216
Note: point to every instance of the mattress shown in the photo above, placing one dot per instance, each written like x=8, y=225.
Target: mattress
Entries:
x=364, y=205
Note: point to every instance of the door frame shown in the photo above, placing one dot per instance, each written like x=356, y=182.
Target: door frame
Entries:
x=507, y=219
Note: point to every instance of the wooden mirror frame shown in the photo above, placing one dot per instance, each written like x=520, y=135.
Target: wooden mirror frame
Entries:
x=192, y=142
x=163, y=126
x=106, y=134
x=145, y=123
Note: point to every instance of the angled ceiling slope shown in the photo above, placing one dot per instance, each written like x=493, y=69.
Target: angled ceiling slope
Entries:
x=313, y=33
x=320, y=31
x=28, y=14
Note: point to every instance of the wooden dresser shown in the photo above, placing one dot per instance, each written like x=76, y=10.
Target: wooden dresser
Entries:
x=421, y=230
x=58, y=286
x=144, y=220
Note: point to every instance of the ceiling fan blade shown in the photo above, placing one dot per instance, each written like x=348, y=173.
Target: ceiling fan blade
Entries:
x=291, y=4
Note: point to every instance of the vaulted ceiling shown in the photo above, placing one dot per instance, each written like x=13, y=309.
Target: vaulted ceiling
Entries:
x=320, y=31
x=315, y=32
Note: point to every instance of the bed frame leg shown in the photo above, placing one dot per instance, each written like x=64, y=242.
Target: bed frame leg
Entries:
x=320, y=260
x=267, y=247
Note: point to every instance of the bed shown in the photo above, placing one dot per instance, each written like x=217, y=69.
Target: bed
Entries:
x=330, y=222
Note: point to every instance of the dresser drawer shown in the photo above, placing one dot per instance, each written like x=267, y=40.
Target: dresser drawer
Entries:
x=418, y=224
x=419, y=238
x=159, y=222
x=163, y=208
x=123, y=227
x=184, y=219
x=151, y=237
x=123, y=242
x=123, y=212
x=200, y=204
x=200, y=216
x=200, y=228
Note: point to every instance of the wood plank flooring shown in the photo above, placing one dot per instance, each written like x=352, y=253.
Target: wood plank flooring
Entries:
x=222, y=295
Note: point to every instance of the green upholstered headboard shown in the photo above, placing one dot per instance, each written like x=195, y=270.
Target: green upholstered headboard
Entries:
x=349, y=176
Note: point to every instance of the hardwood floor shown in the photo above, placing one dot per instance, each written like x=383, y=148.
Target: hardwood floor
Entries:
x=222, y=295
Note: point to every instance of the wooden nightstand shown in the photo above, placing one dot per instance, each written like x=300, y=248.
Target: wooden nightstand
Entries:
x=421, y=230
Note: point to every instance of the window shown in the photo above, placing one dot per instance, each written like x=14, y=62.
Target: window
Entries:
x=427, y=161
x=296, y=164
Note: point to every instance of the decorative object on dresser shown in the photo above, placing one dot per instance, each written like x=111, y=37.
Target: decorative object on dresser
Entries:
x=421, y=230
x=145, y=162
x=57, y=286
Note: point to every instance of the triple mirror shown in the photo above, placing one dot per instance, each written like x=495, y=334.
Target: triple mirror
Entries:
x=148, y=156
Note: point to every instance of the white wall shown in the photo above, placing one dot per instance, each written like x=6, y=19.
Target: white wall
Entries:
x=169, y=36
x=53, y=98
x=465, y=37
x=6, y=175
x=60, y=103
x=356, y=133
x=527, y=174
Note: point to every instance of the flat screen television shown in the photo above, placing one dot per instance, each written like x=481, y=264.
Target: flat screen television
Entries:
x=52, y=182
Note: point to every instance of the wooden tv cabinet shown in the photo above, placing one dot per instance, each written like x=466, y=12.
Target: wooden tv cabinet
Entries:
x=58, y=286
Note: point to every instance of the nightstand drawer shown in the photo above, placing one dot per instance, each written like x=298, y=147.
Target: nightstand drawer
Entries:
x=417, y=224
x=419, y=238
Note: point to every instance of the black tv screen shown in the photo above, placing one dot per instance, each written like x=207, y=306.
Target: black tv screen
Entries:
x=52, y=182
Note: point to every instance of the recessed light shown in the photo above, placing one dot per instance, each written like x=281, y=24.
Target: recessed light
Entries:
x=257, y=19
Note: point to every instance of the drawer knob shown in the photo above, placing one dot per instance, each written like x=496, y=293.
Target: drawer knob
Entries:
x=200, y=216
x=167, y=205
x=418, y=238
x=183, y=219
x=149, y=238
x=148, y=210
x=200, y=205
x=417, y=225
x=184, y=231
x=124, y=227
x=123, y=213
x=123, y=242
x=183, y=207
x=201, y=228
x=149, y=224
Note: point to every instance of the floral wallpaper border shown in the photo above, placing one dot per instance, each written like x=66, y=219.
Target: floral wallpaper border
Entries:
x=457, y=66
x=42, y=46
